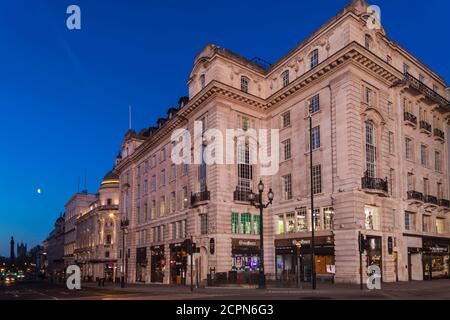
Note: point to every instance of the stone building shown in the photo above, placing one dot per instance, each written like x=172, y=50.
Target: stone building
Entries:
x=96, y=233
x=380, y=164
x=78, y=204
x=55, y=249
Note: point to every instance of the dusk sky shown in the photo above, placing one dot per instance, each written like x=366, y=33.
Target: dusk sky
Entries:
x=64, y=95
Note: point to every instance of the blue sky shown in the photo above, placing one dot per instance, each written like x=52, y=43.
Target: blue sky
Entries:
x=64, y=95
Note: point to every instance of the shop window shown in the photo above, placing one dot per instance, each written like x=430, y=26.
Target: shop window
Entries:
x=280, y=224
x=372, y=218
x=290, y=221
x=317, y=220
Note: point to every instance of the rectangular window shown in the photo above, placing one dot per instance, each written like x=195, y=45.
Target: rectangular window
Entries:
x=285, y=78
x=368, y=96
x=162, y=207
x=440, y=225
x=426, y=223
x=244, y=84
x=391, y=142
x=302, y=220
x=153, y=210
x=372, y=218
x=154, y=183
x=185, y=198
x=314, y=58
x=437, y=161
x=424, y=155
x=287, y=149
x=440, y=193
x=408, y=146
x=246, y=223
x=391, y=181
x=234, y=222
x=287, y=187
x=316, y=138
x=173, y=202
x=146, y=186
x=317, y=179
x=173, y=174
x=138, y=213
x=108, y=239
x=405, y=69
x=314, y=104
x=328, y=215
x=204, y=224
x=185, y=169
x=162, y=179
x=426, y=187
x=409, y=221
x=286, y=119
x=145, y=212
x=256, y=225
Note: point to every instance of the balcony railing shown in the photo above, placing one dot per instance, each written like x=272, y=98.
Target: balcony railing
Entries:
x=410, y=117
x=415, y=195
x=241, y=195
x=432, y=200
x=425, y=90
x=200, y=197
x=439, y=133
x=376, y=184
x=425, y=126
x=444, y=203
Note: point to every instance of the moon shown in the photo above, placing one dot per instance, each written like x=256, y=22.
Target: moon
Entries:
x=39, y=190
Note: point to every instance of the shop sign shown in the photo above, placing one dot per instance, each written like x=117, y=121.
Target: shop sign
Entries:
x=212, y=246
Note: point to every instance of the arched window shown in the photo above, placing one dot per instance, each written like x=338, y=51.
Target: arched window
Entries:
x=371, y=150
x=314, y=58
x=285, y=78
x=244, y=84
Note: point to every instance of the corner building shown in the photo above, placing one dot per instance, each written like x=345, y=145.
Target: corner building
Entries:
x=380, y=165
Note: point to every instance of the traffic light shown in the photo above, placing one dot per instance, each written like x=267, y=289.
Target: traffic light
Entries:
x=362, y=243
x=188, y=245
x=194, y=248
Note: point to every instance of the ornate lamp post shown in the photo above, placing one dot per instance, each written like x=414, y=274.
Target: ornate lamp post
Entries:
x=258, y=204
x=123, y=226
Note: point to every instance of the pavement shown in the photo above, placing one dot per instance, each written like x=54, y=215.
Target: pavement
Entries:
x=44, y=290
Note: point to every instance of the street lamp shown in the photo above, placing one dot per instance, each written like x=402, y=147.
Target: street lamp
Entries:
x=313, y=227
x=259, y=205
x=123, y=226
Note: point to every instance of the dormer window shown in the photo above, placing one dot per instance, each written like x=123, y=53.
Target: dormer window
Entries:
x=202, y=81
x=244, y=84
x=285, y=78
x=314, y=58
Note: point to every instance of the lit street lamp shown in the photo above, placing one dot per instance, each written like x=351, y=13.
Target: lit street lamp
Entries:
x=123, y=226
x=258, y=204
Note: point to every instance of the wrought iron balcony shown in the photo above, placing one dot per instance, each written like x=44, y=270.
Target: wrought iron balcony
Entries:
x=415, y=195
x=200, y=197
x=375, y=184
x=438, y=133
x=241, y=195
x=432, y=200
x=410, y=117
x=425, y=126
x=444, y=203
x=425, y=90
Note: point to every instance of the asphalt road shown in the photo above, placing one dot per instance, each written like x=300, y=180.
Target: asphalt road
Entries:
x=43, y=290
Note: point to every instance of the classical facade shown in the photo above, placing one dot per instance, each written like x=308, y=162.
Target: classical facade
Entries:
x=55, y=249
x=380, y=165
x=78, y=204
x=96, y=233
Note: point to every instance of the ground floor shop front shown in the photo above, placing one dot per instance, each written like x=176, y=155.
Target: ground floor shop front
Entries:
x=94, y=270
